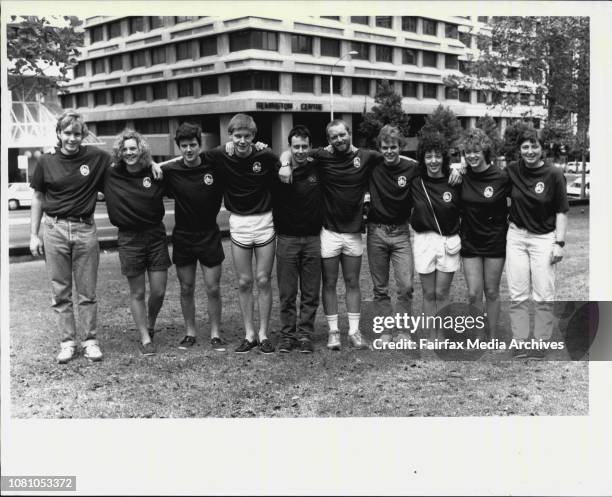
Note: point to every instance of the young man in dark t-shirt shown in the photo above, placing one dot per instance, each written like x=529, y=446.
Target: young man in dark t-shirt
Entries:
x=344, y=172
x=248, y=175
x=388, y=239
x=65, y=187
x=135, y=204
x=197, y=187
x=297, y=220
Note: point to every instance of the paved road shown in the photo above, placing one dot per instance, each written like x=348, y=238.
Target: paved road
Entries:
x=19, y=224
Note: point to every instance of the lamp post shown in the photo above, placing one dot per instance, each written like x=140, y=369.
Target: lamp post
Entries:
x=331, y=82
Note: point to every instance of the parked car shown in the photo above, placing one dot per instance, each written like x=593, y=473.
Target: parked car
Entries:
x=576, y=167
x=19, y=195
x=573, y=188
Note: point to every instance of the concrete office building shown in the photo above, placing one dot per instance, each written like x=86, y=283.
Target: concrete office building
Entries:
x=152, y=73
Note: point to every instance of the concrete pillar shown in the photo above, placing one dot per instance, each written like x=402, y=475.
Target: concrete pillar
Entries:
x=285, y=83
x=172, y=90
x=223, y=46
x=346, y=88
x=281, y=125
x=317, y=85
x=419, y=92
x=224, y=120
x=224, y=85
x=316, y=46
x=173, y=124
x=284, y=43
x=471, y=122
x=348, y=119
x=502, y=126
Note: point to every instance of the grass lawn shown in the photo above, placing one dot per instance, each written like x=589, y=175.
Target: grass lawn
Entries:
x=201, y=382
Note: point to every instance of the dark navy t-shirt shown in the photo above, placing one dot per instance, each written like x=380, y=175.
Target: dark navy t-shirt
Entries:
x=537, y=196
x=70, y=183
x=247, y=181
x=484, y=212
x=391, y=201
x=446, y=203
x=134, y=201
x=197, y=193
x=344, y=181
x=298, y=210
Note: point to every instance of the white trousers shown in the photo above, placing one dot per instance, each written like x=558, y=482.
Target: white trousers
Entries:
x=530, y=274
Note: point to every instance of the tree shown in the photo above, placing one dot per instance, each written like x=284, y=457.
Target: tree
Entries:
x=34, y=44
x=557, y=134
x=510, y=147
x=489, y=126
x=388, y=110
x=443, y=121
x=548, y=55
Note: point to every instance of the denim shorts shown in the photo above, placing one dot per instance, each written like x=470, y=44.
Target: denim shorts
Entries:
x=141, y=251
x=189, y=247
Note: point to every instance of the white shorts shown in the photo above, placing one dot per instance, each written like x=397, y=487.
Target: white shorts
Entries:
x=430, y=254
x=334, y=244
x=255, y=230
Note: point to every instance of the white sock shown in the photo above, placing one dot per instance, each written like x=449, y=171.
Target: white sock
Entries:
x=332, y=322
x=353, y=318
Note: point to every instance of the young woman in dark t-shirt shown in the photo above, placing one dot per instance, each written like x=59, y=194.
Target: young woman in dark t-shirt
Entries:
x=435, y=266
x=484, y=223
x=135, y=205
x=536, y=239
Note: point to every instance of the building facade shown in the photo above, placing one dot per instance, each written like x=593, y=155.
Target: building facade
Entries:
x=152, y=73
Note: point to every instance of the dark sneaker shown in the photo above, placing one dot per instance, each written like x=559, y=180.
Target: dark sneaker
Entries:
x=218, y=344
x=187, y=342
x=537, y=354
x=245, y=346
x=286, y=345
x=306, y=346
x=147, y=348
x=266, y=347
x=519, y=353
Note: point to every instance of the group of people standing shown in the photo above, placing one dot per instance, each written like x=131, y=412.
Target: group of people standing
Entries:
x=308, y=208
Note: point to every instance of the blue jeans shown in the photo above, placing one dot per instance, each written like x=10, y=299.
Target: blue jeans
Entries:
x=298, y=257
x=390, y=244
x=71, y=250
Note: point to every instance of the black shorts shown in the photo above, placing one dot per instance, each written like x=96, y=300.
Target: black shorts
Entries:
x=141, y=251
x=189, y=247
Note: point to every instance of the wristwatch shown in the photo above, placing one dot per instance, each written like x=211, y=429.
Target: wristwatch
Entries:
x=560, y=243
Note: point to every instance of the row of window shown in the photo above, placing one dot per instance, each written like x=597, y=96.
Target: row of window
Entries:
x=258, y=39
x=135, y=24
x=269, y=81
x=150, y=57
x=410, y=23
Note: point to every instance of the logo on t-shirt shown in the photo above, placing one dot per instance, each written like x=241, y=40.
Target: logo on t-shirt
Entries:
x=447, y=196
x=356, y=162
x=257, y=167
x=401, y=181
x=488, y=192
x=539, y=188
x=208, y=179
x=312, y=179
x=146, y=182
x=84, y=170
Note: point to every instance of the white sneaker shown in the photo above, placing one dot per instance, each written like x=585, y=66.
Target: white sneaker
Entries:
x=357, y=341
x=92, y=350
x=333, y=342
x=67, y=352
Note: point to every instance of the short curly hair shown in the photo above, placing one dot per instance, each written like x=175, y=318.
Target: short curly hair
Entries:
x=391, y=133
x=144, y=159
x=433, y=141
x=477, y=140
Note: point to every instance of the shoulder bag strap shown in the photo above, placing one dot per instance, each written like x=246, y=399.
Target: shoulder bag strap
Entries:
x=432, y=209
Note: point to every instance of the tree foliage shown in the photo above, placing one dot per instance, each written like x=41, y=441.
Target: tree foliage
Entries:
x=443, y=121
x=547, y=54
x=387, y=110
x=35, y=44
x=489, y=126
x=511, y=145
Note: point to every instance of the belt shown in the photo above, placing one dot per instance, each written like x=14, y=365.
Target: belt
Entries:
x=73, y=219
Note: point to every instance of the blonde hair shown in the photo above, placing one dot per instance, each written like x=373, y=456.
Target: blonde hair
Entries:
x=144, y=149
